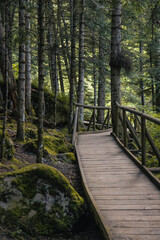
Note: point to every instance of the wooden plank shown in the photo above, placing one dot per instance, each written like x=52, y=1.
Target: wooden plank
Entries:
x=108, y=202
x=139, y=231
x=129, y=207
x=134, y=224
x=137, y=237
x=129, y=197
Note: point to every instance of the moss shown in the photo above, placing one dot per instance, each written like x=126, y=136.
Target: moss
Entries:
x=71, y=157
x=41, y=179
x=30, y=133
x=157, y=175
x=55, y=143
x=4, y=166
x=9, y=149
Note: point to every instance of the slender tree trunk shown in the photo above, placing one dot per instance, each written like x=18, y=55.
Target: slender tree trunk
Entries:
x=6, y=79
x=21, y=80
x=101, y=81
x=94, y=72
x=11, y=10
x=72, y=69
x=64, y=48
x=157, y=75
x=60, y=70
x=80, y=93
x=66, y=33
x=151, y=66
x=141, y=73
x=41, y=9
x=11, y=81
x=115, y=51
x=28, y=62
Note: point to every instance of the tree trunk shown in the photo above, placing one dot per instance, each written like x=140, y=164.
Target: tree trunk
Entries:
x=141, y=74
x=64, y=48
x=115, y=68
x=60, y=70
x=94, y=72
x=101, y=81
x=11, y=81
x=72, y=68
x=41, y=9
x=157, y=74
x=80, y=93
x=28, y=62
x=6, y=79
x=21, y=80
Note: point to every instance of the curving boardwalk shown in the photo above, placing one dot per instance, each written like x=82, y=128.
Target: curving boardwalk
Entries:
x=125, y=202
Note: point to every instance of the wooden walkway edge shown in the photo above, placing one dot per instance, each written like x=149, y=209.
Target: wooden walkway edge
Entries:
x=125, y=203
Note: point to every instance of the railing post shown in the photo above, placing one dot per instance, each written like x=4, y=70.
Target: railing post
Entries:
x=75, y=125
x=117, y=121
x=143, y=140
x=124, y=127
x=94, y=119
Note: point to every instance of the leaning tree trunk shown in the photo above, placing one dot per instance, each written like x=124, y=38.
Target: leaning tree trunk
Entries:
x=28, y=62
x=101, y=81
x=80, y=92
x=21, y=80
x=72, y=69
x=41, y=9
x=6, y=80
x=115, y=59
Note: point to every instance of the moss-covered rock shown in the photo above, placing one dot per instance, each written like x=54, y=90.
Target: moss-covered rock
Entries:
x=39, y=200
x=9, y=149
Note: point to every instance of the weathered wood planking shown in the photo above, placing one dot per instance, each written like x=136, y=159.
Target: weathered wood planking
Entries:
x=124, y=200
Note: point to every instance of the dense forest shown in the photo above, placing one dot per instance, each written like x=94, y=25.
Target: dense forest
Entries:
x=53, y=54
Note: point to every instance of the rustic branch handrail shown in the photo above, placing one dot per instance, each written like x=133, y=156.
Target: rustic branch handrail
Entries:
x=93, y=118
x=91, y=107
x=141, y=114
x=144, y=132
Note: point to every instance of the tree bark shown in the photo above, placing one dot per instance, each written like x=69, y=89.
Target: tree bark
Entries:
x=60, y=70
x=41, y=9
x=72, y=68
x=6, y=78
x=21, y=80
x=141, y=74
x=101, y=80
x=11, y=81
x=28, y=62
x=115, y=68
x=94, y=71
x=80, y=93
x=64, y=48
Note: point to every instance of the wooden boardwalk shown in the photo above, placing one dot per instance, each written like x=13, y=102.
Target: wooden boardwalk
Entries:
x=125, y=202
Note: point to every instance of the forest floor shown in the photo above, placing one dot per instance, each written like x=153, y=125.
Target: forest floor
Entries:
x=87, y=229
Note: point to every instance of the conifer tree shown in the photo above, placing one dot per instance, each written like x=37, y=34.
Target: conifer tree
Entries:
x=21, y=79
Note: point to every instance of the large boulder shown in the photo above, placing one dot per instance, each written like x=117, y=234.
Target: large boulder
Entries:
x=39, y=200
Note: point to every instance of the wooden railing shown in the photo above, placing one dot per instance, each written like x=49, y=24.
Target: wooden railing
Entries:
x=134, y=128
x=92, y=122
